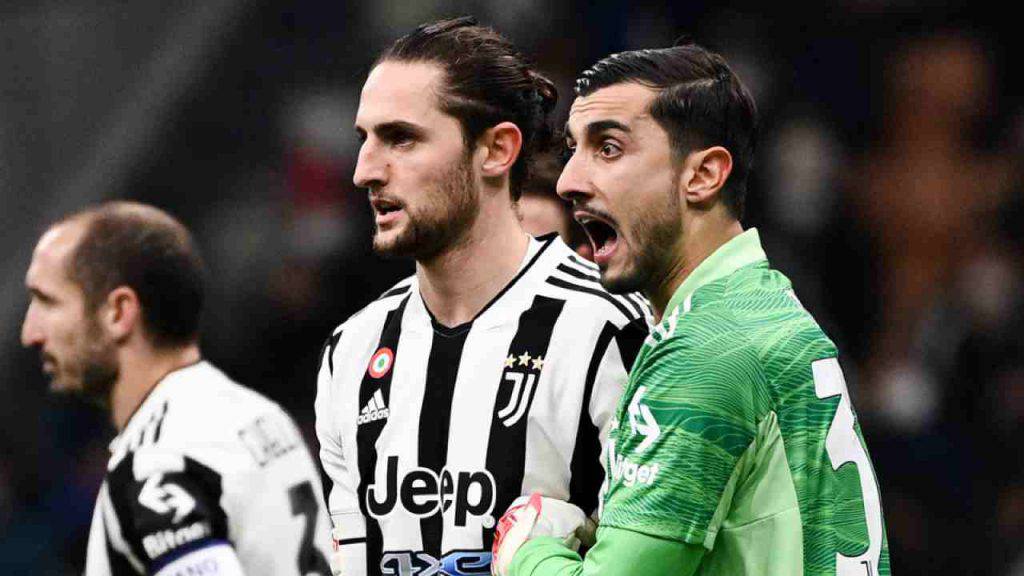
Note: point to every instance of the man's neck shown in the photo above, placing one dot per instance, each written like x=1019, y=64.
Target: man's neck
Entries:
x=703, y=239
x=458, y=283
x=142, y=368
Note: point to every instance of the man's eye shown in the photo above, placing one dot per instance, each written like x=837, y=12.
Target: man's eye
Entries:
x=403, y=141
x=610, y=150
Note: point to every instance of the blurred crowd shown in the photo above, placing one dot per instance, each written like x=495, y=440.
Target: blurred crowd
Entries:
x=889, y=186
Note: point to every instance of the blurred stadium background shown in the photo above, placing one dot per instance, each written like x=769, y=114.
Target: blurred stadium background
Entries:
x=888, y=186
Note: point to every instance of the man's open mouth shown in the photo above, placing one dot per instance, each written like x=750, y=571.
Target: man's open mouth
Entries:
x=603, y=234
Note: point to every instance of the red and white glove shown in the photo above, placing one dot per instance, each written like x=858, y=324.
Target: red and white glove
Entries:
x=527, y=518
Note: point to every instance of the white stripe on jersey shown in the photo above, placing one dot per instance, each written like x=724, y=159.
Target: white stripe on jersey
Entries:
x=477, y=415
x=407, y=387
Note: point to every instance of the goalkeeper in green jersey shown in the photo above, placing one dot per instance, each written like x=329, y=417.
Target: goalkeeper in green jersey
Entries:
x=735, y=449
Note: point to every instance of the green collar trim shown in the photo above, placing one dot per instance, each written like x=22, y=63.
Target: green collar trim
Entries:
x=741, y=251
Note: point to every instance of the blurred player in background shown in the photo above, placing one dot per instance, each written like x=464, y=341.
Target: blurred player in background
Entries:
x=205, y=476
x=735, y=449
x=541, y=211
x=494, y=371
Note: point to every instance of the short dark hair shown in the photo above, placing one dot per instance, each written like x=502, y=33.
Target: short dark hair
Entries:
x=148, y=250
x=701, y=103
x=487, y=81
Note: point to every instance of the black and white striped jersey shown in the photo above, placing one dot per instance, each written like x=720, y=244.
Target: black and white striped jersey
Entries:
x=208, y=477
x=428, y=433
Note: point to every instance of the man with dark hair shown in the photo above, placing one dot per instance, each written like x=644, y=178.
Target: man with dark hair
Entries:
x=494, y=370
x=735, y=448
x=205, y=476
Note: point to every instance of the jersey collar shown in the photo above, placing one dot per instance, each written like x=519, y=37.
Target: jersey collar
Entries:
x=741, y=251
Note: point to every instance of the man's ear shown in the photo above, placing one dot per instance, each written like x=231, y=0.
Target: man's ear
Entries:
x=121, y=314
x=704, y=175
x=501, y=145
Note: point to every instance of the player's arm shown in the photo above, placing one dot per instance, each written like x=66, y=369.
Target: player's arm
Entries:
x=169, y=516
x=349, y=529
x=617, y=552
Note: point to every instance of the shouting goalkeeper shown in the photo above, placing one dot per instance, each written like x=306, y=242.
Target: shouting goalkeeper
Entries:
x=735, y=449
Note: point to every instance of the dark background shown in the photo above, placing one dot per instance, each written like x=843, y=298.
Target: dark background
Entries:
x=888, y=187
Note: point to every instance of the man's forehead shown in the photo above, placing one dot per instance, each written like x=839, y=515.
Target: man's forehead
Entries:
x=55, y=246
x=626, y=103
x=400, y=88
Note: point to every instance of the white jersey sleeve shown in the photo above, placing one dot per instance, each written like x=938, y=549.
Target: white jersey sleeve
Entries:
x=348, y=526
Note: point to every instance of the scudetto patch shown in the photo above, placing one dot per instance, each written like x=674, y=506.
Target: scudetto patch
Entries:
x=381, y=362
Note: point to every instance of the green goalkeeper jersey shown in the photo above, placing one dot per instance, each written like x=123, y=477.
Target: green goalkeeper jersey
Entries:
x=736, y=432
x=736, y=449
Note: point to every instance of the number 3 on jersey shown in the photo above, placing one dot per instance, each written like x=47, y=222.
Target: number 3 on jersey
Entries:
x=843, y=445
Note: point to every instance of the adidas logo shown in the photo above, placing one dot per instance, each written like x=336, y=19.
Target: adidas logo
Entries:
x=374, y=410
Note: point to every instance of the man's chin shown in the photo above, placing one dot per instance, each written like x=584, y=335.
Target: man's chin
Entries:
x=392, y=246
x=618, y=281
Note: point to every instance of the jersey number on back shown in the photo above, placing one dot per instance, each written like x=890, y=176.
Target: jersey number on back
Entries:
x=843, y=446
x=311, y=560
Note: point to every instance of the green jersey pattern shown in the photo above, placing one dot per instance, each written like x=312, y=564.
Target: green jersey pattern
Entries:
x=736, y=432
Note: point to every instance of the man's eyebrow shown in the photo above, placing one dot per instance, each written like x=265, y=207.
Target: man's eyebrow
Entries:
x=392, y=128
x=597, y=127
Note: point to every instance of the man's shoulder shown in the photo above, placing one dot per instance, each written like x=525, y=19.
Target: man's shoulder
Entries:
x=751, y=315
x=578, y=281
x=374, y=312
x=206, y=416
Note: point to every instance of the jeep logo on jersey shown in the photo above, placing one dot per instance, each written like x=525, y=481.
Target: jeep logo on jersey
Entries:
x=641, y=421
x=421, y=492
x=381, y=362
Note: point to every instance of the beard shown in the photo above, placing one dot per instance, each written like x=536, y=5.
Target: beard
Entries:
x=440, y=218
x=90, y=370
x=655, y=231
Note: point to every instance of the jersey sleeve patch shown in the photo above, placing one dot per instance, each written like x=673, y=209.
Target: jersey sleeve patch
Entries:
x=688, y=416
x=166, y=505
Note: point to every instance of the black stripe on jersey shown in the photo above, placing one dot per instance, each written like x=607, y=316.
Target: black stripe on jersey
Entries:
x=629, y=339
x=435, y=421
x=641, y=301
x=597, y=280
x=394, y=292
x=118, y=562
x=506, y=448
x=555, y=281
x=579, y=273
x=590, y=272
x=160, y=423
x=585, y=466
x=329, y=347
x=367, y=434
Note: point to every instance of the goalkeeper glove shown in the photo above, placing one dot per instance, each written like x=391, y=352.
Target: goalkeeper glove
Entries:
x=530, y=517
